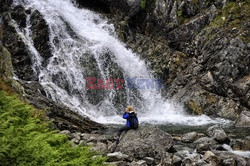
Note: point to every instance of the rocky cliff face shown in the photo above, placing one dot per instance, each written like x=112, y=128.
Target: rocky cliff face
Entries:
x=200, y=49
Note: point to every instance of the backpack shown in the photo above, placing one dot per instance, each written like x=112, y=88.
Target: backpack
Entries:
x=134, y=123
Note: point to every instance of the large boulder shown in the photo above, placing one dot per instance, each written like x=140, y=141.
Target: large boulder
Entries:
x=217, y=133
x=145, y=142
x=243, y=120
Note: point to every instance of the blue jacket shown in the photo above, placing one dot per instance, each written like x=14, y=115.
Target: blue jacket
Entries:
x=127, y=116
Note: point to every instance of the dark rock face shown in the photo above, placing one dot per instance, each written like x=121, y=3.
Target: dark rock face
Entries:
x=20, y=54
x=4, y=5
x=40, y=34
x=145, y=141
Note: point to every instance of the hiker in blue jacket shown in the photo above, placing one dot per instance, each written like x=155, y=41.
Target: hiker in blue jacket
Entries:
x=132, y=121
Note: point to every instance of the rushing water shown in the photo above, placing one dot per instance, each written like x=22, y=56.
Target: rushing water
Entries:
x=83, y=43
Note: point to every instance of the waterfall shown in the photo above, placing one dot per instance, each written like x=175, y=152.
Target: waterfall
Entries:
x=83, y=45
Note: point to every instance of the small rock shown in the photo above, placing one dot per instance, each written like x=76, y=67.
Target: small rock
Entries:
x=243, y=120
x=208, y=155
x=218, y=134
x=112, y=147
x=176, y=160
x=67, y=132
x=76, y=141
x=116, y=156
x=183, y=153
x=166, y=159
x=229, y=162
x=77, y=136
x=176, y=138
x=189, y=137
x=82, y=142
x=141, y=163
x=205, y=140
x=149, y=160
x=201, y=148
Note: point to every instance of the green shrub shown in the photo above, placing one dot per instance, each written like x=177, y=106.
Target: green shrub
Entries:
x=25, y=139
x=143, y=4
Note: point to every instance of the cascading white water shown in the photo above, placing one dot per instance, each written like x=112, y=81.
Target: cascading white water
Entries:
x=79, y=33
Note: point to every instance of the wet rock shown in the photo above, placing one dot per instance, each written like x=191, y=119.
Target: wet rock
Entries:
x=218, y=134
x=116, y=156
x=243, y=120
x=19, y=16
x=145, y=141
x=21, y=60
x=40, y=34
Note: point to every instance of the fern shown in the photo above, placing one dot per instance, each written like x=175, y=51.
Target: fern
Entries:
x=26, y=140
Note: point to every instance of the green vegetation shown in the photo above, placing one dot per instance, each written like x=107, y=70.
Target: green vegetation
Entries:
x=234, y=15
x=197, y=110
x=25, y=139
x=146, y=4
x=143, y=4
